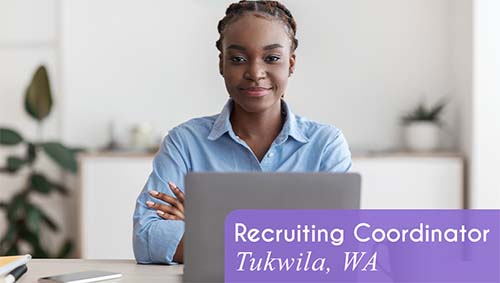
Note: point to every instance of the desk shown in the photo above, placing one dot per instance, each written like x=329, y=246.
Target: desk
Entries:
x=132, y=272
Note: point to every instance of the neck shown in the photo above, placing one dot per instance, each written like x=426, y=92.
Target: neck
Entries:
x=257, y=125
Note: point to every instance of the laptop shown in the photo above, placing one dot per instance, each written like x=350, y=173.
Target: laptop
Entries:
x=211, y=196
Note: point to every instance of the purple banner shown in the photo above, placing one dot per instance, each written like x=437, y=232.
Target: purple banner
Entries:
x=362, y=246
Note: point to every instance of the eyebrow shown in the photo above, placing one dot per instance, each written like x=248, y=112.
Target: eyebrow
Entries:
x=267, y=47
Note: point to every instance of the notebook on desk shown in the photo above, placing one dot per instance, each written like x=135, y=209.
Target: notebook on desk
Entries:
x=211, y=196
x=9, y=263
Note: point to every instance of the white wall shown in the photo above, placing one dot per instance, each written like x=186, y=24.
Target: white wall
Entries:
x=361, y=65
x=137, y=61
x=485, y=191
x=461, y=69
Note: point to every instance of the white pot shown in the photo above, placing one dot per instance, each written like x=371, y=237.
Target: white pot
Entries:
x=422, y=136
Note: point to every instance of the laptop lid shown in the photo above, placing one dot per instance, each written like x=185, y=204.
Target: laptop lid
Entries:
x=211, y=196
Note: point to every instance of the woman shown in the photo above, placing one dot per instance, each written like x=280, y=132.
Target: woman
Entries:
x=256, y=131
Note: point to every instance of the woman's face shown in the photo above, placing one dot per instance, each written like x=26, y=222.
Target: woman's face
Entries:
x=256, y=61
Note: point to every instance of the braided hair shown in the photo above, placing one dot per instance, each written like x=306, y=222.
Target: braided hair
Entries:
x=272, y=9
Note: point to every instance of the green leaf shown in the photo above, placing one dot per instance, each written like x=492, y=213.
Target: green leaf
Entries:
x=423, y=113
x=49, y=222
x=63, y=156
x=44, y=218
x=39, y=251
x=38, y=97
x=9, y=137
x=436, y=111
x=9, y=238
x=60, y=188
x=34, y=241
x=3, y=243
x=40, y=184
x=14, y=163
x=33, y=219
x=16, y=207
x=31, y=153
x=77, y=149
x=65, y=250
x=11, y=232
x=43, y=185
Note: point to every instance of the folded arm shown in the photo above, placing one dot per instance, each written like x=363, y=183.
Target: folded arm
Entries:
x=155, y=239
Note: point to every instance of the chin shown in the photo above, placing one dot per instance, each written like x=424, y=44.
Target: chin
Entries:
x=256, y=104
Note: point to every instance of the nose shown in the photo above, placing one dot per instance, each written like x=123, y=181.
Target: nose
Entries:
x=255, y=71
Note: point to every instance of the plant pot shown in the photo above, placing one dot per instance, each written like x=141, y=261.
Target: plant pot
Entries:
x=422, y=136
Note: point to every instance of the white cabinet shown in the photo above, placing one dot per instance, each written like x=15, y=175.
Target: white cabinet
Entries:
x=418, y=182
x=110, y=184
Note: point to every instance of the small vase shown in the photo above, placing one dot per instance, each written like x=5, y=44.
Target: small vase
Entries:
x=142, y=137
x=422, y=136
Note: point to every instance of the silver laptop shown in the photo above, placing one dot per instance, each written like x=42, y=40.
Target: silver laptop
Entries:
x=211, y=196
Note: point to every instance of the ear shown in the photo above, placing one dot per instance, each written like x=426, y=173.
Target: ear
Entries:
x=221, y=66
x=292, y=64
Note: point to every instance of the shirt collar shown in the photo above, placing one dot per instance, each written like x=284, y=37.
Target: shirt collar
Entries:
x=291, y=128
x=222, y=123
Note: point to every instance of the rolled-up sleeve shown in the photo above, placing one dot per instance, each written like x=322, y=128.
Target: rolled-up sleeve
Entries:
x=155, y=239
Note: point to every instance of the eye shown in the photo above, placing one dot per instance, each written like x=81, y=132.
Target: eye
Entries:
x=237, y=59
x=272, y=58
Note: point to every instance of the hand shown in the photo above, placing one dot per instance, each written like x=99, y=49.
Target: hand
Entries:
x=174, y=211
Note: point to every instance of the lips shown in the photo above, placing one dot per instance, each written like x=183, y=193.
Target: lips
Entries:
x=255, y=91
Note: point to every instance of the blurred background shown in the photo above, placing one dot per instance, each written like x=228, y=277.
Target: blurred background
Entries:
x=413, y=84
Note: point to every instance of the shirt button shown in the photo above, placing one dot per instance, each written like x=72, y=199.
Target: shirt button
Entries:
x=271, y=154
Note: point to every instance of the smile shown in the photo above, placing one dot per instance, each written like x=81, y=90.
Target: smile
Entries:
x=255, y=91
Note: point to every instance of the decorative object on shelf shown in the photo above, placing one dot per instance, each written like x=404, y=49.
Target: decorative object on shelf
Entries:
x=422, y=127
x=112, y=144
x=142, y=137
x=25, y=218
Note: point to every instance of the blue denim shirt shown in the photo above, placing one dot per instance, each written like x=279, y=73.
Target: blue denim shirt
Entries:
x=209, y=144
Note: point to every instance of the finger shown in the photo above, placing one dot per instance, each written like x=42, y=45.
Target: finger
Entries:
x=177, y=191
x=167, y=209
x=168, y=216
x=168, y=199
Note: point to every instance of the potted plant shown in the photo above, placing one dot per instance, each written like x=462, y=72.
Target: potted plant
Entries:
x=25, y=219
x=422, y=127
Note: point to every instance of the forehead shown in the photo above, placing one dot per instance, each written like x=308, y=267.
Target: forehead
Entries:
x=255, y=31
